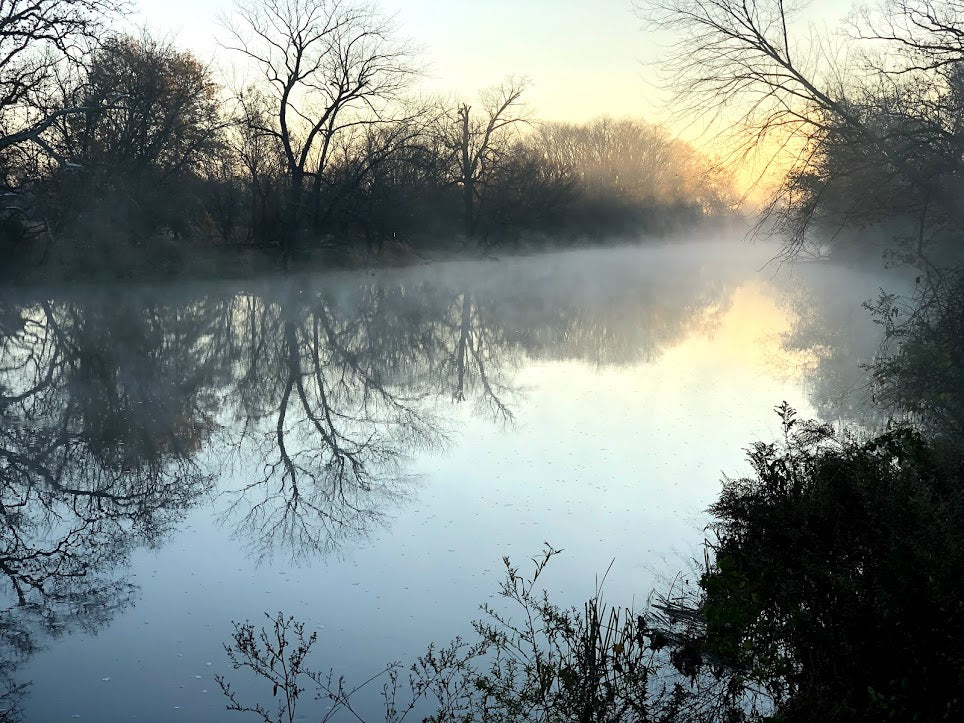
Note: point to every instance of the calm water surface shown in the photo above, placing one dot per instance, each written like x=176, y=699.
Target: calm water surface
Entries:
x=360, y=450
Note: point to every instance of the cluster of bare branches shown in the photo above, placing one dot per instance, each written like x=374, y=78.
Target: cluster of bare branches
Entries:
x=328, y=66
x=36, y=36
x=879, y=106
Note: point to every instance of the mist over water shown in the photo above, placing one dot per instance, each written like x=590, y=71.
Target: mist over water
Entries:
x=361, y=449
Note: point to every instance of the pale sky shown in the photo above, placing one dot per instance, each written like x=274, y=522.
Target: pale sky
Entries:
x=583, y=58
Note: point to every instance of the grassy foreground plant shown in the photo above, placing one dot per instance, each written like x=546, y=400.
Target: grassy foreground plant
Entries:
x=532, y=661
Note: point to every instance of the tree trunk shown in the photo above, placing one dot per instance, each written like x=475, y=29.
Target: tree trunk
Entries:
x=292, y=218
x=468, y=177
x=316, y=205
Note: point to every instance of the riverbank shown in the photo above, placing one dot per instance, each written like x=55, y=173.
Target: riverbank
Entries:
x=59, y=261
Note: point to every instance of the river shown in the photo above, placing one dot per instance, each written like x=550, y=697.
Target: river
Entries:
x=361, y=449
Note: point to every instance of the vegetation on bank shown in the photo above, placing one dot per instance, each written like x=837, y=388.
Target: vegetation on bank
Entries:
x=834, y=578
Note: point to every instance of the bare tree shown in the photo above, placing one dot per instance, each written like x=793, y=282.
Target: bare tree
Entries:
x=263, y=163
x=35, y=37
x=357, y=158
x=476, y=142
x=327, y=65
x=925, y=35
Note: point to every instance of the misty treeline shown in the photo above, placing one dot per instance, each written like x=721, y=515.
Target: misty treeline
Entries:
x=118, y=148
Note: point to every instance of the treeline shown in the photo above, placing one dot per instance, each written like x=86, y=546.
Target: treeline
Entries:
x=119, y=149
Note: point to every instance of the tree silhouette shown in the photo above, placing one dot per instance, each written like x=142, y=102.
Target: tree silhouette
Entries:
x=327, y=65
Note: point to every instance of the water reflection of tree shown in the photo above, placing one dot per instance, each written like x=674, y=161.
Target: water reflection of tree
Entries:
x=335, y=387
x=330, y=430
x=832, y=326
x=23, y=629
x=476, y=361
x=100, y=425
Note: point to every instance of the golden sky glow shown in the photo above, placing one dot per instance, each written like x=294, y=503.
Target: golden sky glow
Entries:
x=750, y=336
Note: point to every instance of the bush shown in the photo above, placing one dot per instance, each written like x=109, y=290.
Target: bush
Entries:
x=837, y=578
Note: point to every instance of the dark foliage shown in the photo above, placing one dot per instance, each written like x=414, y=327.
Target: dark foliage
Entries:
x=921, y=368
x=836, y=582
